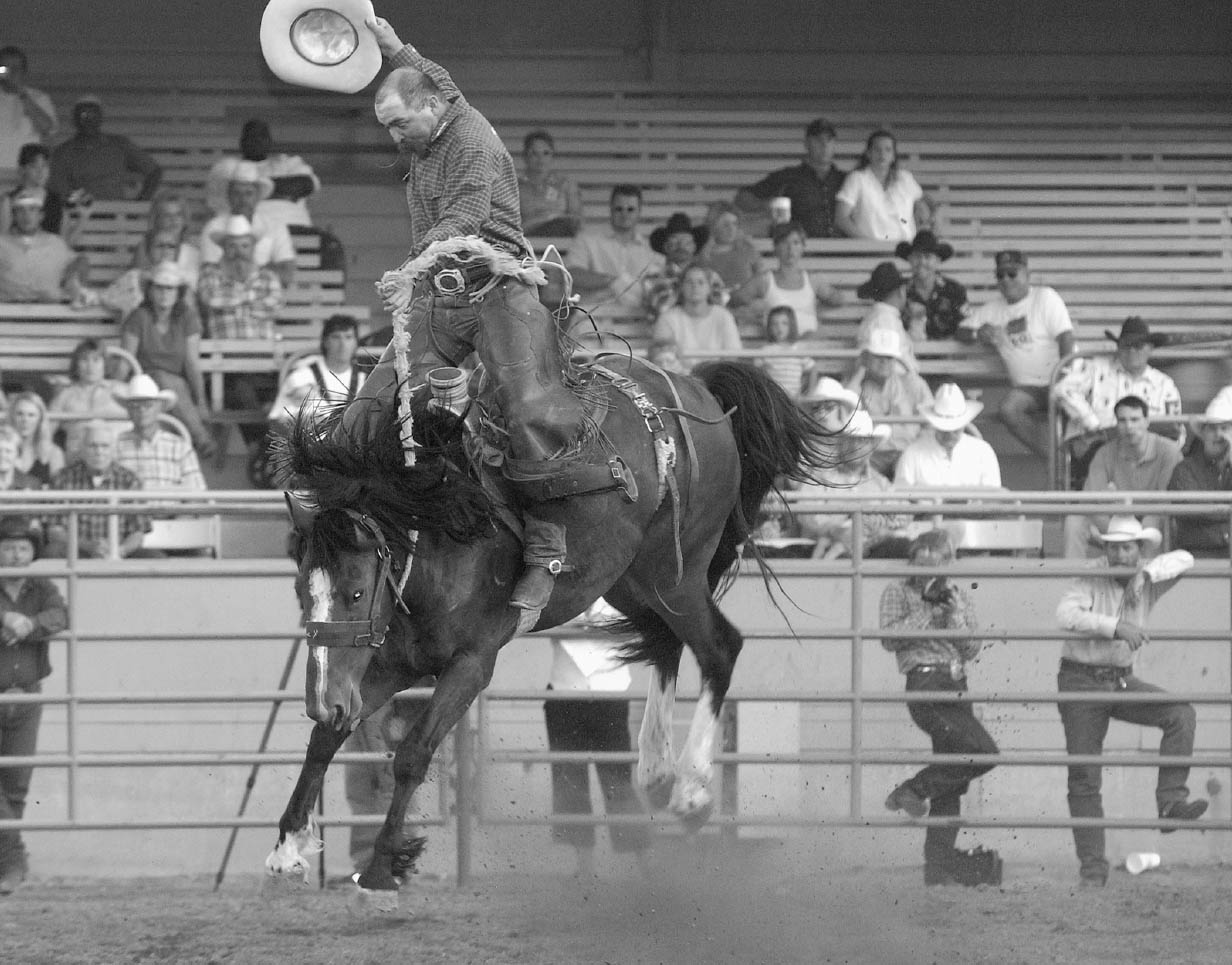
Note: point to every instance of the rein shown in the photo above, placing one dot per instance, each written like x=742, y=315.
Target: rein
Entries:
x=362, y=633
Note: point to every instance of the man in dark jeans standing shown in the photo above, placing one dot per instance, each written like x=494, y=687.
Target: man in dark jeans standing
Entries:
x=924, y=603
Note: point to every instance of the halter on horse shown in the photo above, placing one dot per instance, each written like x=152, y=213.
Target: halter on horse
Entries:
x=404, y=572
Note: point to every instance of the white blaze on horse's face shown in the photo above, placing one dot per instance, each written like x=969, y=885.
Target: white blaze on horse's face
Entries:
x=319, y=593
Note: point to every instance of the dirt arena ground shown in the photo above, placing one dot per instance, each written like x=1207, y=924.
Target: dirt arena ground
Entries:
x=777, y=904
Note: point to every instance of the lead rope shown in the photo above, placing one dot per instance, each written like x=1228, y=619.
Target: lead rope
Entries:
x=401, y=342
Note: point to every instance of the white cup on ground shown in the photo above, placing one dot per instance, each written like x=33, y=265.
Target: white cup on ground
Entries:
x=1140, y=861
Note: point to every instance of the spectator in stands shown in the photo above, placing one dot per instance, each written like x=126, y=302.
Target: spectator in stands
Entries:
x=948, y=456
x=685, y=332
x=1136, y=460
x=920, y=604
x=35, y=265
x=37, y=456
x=239, y=298
x=1089, y=391
x=10, y=476
x=880, y=200
x=89, y=394
x=886, y=288
x=31, y=611
x=26, y=114
x=1207, y=468
x=96, y=470
x=164, y=333
x=1111, y=614
x=33, y=174
x=615, y=262
x=103, y=166
x=830, y=404
x=788, y=371
x=678, y=242
x=884, y=534
x=812, y=185
x=730, y=254
x=160, y=459
x=551, y=203
x=888, y=386
x=936, y=303
x=246, y=187
x=1029, y=326
x=128, y=290
x=169, y=221
x=330, y=377
x=789, y=284
x=583, y=724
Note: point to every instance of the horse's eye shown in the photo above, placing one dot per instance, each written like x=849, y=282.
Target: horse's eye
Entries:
x=356, y=596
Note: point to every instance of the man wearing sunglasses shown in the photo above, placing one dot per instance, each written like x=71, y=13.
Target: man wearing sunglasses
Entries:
x=1030, y=328
x=613, y=263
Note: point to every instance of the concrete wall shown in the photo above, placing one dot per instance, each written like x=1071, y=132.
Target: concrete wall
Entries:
x=213, y=606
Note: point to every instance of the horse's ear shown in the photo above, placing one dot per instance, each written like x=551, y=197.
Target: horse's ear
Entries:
x=302, y=518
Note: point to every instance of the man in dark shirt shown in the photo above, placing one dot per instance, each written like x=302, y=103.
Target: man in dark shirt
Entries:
x=101, y=164
x=936, y=303
x=1208, y=467
x=811, y=185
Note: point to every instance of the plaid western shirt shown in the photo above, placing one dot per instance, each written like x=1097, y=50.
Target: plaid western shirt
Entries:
x=239, y=309
x=465, y=182
x=1091, y=389
x=165, y=461
x=903, y=607
x=93, y=526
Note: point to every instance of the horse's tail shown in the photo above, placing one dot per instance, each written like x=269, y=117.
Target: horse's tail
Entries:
x=775, y=438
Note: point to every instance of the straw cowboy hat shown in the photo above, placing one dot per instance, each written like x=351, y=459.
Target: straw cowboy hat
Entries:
x=926, y=242
x=321, y=43
x=142, y=388
x=860, y=426
x=236, y=226
x=831, y=390
x=245, y=171
x=1127, y=529
x=1220, y=407
x=678, y=224
x=950, y=410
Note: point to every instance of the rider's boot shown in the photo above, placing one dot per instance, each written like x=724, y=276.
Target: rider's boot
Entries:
x=543, y=557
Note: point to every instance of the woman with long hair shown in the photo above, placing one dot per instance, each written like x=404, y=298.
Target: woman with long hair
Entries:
x=164, y=333
x=89, y=394
x=879, y=199
x=37, y=455
x=170, y=220
x=686, y=331
x=551, y=204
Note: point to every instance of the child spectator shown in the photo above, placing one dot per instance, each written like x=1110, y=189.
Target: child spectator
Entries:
x=789, y=371
x=89, y=394
x=31, y=611
x=37, y=456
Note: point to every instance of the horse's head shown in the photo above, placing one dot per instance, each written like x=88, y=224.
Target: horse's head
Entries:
x=348, y=590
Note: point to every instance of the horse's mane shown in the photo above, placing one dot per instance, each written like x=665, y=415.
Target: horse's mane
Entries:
x=349, y=456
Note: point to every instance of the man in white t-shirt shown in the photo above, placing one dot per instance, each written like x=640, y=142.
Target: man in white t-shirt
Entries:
x=948, y=456
x=1031, y=330
x=27, y=115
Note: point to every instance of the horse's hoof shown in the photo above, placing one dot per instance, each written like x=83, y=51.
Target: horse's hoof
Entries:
x=659, y=792
x=693, y=821
x=366, y=903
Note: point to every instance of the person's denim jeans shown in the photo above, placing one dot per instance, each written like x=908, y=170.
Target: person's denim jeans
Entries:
x=19, y=726
x=1086, y=726
x=954, y=730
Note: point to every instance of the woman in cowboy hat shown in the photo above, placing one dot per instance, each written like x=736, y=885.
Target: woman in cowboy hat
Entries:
x=164, y=333
x=948, y=456
x=936, y=303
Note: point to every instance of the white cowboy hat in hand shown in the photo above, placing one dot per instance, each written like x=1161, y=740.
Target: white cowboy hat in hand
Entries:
x=950, y=410
x=321, y=43
x=885, y=343
x=1126, y=529
x=142, y=388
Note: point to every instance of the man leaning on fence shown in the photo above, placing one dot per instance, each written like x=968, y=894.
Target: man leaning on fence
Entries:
x=1111, y=614
x=922, y=604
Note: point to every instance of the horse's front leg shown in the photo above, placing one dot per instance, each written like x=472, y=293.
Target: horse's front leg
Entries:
x=656, y=769
x=456, y=689
x=297, y=836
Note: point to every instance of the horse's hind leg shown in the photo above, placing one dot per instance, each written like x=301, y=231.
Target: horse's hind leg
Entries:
x=656, y=768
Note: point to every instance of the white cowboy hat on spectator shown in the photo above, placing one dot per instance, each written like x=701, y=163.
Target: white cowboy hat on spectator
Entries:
x=236, y=226
x=886, y=343
x=321, y=43
x=860, y=426
x=1128, y=529
x=246, y=172
x=950, y=410
x=142, y=388
x=1220, y=407
x=831, y=390
x=167, y=274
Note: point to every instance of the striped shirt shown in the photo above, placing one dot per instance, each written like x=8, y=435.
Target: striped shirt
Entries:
x=92, y=527
x=165, y=461
x=239, y=309
x=465, y=182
